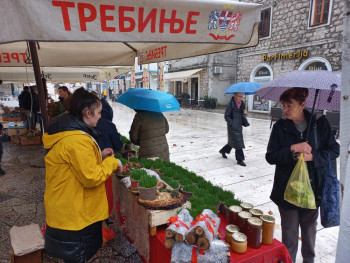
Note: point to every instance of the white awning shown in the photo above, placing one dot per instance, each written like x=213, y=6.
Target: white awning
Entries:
x=181, y=75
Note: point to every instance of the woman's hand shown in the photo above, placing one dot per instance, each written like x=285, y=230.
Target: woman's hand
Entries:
x=107, y=152
x=308, y=157
x=120, y=167
x=244, y=112
x=302, y=147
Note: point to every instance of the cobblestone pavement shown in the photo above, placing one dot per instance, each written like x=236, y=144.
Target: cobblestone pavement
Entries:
x=22, y=203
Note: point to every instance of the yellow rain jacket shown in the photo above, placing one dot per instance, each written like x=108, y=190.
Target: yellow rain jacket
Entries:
x=75, y=194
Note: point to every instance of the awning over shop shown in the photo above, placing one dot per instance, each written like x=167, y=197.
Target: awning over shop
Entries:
x=181, y=75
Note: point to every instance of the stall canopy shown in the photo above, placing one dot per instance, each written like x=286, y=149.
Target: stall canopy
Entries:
x=62, y=74
x=110, y=32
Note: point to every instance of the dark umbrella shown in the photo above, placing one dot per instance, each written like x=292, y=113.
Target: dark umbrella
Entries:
x=324, y=88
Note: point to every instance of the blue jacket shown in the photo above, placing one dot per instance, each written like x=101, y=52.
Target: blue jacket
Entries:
x=283, y=135
x=110, y=138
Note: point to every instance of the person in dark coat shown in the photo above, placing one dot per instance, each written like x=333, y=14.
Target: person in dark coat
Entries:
x=148, y=130
x=110, y=138
x=287, y=142
x=233, y=116
x=29, y=101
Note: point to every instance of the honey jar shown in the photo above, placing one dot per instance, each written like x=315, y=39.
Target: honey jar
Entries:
x=243, y=221
x=233, y=214
x=268, y=227
x=239, y=242
x=256, y=212
x=230, y=229
x=246, y=206
x=254, y=232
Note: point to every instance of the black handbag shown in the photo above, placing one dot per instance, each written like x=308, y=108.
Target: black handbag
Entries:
x=245, y=122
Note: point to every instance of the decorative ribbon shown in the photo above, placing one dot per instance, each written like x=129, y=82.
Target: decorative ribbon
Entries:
x=207, y=220
x=175, y=220
x=194, y=258
x=134, y=184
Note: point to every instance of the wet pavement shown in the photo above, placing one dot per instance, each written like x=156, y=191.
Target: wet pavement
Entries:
x=194, y=139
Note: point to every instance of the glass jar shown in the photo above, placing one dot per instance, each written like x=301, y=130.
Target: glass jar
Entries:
x=246, y=206
x=233, y=214
x=230, y=229
x=239, y=242
x=256, y=212
x=254, y=229
x=268, y=228
x=243, y=221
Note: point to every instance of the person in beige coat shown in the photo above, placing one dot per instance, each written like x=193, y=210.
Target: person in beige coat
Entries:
x=148, y=130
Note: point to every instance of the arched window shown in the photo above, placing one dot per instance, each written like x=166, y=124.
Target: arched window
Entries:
x=316, y=63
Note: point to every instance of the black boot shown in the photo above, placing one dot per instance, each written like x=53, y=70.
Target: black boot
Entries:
x=223, y=154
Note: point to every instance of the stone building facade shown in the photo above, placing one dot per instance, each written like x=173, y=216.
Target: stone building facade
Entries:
x=301, y=35
x=207, y=75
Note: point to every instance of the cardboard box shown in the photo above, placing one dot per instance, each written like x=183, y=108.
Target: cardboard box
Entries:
x=16, y=124
x=30, y=141
x=16, y=131
x=16, y=139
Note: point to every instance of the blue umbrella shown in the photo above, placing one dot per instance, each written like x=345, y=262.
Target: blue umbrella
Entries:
x=248, y=88
x=149, y=99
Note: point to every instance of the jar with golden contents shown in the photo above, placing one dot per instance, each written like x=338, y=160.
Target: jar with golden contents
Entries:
x=233, y=214
x=246, y=206
x=230, y=229
x=254, y=231
x=256, y=212
x=268, y=227
x=243, y=221
x=239, y=242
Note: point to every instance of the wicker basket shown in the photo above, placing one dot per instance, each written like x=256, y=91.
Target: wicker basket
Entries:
x=148, y=193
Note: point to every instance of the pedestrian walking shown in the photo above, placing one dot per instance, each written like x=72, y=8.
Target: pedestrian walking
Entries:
x=64, y=96
x=76, y=170
x=235, y=118
x=286, y=144
x=29, y=101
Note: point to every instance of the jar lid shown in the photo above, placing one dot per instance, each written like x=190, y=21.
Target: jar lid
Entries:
x=256, y=212
x=244, y=214
x=235, y=208
x=268, y=219
x=255, y=221
x=239, y=237
x=232, y=228
x=246, y=206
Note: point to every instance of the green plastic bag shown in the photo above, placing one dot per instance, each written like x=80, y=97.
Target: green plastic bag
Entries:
x=299, y=191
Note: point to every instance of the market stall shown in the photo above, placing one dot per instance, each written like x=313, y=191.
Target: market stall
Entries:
x=213, y=213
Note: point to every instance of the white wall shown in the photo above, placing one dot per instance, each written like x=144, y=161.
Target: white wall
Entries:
x=343, y=251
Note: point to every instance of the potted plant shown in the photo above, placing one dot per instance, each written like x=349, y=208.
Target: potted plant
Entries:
x=135, y=178
x=148, y=187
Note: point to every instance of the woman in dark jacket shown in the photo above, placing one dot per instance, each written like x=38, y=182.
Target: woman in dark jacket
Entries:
x=233, y=116
x=287, y=141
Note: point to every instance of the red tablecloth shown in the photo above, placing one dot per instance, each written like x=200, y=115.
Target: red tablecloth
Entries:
x=265, y=254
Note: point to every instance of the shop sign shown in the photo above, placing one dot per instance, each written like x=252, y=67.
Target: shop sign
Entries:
x=316, y=66
x=263, y=72
x=299, y=54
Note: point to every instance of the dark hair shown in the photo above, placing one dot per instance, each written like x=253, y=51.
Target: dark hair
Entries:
x=80, y=100
x=25, y=88
x=298, y=94
x=1, y=126
x=64, y=88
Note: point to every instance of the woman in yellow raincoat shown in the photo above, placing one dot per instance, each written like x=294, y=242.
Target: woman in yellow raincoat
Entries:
x=76, y=169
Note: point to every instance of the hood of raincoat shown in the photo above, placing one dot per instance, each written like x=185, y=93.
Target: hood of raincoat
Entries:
x=107, y=111
x=67, y=122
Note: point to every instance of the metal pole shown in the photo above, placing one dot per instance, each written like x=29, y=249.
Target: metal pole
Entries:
x=39, y=84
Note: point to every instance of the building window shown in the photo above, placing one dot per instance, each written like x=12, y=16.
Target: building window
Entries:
x=264, y=26
x=319, y=12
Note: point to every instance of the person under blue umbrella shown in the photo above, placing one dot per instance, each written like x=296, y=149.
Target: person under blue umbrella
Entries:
x=235, y=118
